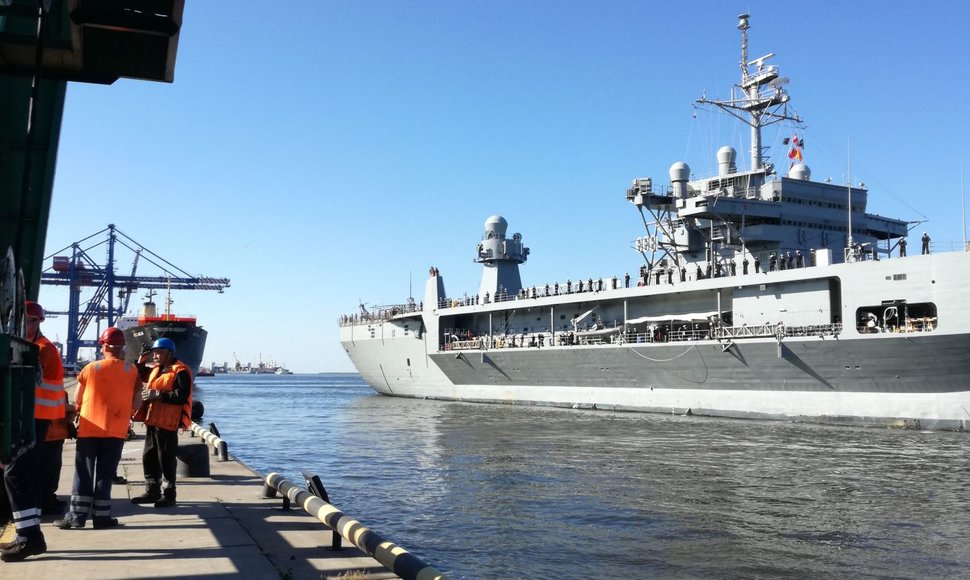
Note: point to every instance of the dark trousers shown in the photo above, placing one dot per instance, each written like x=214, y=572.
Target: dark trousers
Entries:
x=158, y=458
x=94, y=468
x=52, y=451
x=22, y=480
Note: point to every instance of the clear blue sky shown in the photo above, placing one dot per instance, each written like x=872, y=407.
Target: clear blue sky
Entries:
x=325, y=153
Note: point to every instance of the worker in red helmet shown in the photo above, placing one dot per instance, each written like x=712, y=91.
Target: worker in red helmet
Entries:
x=108, y=391
x=23, y=474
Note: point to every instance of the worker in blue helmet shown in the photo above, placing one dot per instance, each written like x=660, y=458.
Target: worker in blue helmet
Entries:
x=167, y=397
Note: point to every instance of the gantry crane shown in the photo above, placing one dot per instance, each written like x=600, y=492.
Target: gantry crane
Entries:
x=80, y=270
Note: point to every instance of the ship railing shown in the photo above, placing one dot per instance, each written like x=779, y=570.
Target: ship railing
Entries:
x=778, y=330
x=663, y=334
x=475, y=344
x=660, y=334
x=382, y=314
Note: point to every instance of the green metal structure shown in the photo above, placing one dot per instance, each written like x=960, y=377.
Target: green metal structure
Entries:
x=44, y=44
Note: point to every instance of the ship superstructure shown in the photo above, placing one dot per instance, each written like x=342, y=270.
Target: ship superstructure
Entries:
x=151, y=325
x=761, y=295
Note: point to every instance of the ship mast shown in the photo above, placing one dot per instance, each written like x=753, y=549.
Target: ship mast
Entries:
x=763, y=101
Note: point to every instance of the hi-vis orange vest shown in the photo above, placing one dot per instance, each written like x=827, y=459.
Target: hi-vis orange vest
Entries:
x=49, y=394
x=168, y=415
x=105, y=393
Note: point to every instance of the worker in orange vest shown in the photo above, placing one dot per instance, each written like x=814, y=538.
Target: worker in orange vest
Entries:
x=23, y=474
x=108, y=391
x=168, y=398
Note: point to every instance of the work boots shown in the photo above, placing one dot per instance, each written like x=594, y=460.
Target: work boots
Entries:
x=168, y=499
x=152, y=494
x=22, y=547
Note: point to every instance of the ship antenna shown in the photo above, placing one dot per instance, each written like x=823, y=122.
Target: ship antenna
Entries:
x=963, y=200
x=850, y=250
x=764, y=100
x=743, y=27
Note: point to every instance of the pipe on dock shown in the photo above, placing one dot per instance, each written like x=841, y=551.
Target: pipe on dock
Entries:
x=219, y=446
x=390, y=555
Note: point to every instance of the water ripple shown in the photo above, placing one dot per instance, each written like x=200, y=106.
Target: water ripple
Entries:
x=489, y=491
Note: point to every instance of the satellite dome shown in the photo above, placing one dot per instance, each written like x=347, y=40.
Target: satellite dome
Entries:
x=726, y=154
x=725, y=160
x=679, y=171
x=800, y=171
x=497, y=225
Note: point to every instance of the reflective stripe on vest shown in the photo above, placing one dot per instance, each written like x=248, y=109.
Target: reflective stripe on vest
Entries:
x=49, y=393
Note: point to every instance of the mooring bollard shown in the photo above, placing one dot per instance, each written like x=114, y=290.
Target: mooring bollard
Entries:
x=393, y=557
x=192, y=460
x=211, y=437
x=315, y=486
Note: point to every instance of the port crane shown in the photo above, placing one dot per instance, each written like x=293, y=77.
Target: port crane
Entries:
x=79, y=270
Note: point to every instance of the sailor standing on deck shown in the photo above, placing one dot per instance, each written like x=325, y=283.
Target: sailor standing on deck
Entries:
x=926, y=243
x=168, y=395
x=23, y=474
x=108, y=391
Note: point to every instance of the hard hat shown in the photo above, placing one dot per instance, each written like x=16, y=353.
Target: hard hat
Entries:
x=34, y=310
x=112, y=336
x=165, y=343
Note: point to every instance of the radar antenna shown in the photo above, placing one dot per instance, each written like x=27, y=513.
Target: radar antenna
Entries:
x=763, y=99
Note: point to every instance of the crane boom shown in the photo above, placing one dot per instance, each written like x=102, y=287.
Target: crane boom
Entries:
x=80, y=271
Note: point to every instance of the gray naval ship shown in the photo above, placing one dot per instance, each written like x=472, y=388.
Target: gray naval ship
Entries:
x=760, y=296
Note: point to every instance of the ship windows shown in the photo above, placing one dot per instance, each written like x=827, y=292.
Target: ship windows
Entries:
x=897, y=316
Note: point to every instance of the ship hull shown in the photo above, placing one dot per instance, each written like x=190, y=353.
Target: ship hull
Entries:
x=848, y=376
x=188, y=337
x=900, y=382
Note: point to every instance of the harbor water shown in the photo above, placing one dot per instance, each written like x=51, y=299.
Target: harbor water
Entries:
x=503, y=491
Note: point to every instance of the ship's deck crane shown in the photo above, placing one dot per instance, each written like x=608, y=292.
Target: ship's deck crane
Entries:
x=80, y=270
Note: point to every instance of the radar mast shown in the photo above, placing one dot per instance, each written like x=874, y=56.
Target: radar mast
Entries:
x=763, y=99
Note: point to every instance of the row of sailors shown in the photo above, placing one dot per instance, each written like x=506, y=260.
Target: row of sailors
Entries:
x=776, y=262
x=523, y=340
x=464, y=339
x=555, y=289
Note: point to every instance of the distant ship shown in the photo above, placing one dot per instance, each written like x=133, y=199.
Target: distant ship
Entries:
x=760, y=295
x=140, y=333
x=259, y=368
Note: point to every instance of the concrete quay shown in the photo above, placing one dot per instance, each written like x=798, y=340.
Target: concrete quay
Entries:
x=221, y=527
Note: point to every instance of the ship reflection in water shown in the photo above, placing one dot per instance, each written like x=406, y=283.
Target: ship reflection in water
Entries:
x=529, y=492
